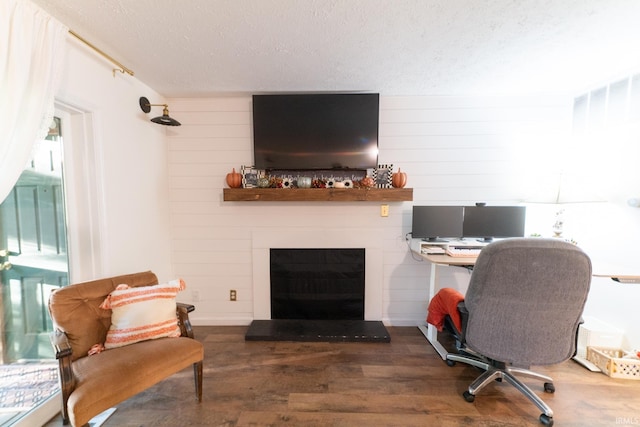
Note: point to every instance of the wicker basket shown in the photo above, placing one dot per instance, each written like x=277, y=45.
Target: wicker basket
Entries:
x=610, y=361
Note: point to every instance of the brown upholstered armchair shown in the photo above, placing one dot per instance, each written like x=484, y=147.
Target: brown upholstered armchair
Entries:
x=93, y=384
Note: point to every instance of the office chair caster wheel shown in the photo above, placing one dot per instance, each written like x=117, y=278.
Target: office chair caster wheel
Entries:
x=468, y=396
x=451, y=362
x=546, y=420
x=549, y=388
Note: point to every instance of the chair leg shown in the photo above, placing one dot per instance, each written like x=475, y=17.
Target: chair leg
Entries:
x=469, y=361
x=531, y=374
x=481, y=382
x=197, y=374
x=529, y=393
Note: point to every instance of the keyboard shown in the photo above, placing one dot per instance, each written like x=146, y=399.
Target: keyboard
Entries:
x=432, y=250
x=462, y=252
x=627, y=279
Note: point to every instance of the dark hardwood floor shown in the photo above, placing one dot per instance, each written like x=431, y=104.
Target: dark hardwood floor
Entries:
x=402, y=383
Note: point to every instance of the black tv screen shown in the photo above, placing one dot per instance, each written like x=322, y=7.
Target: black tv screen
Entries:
x=494, y=221
x=316, y=131
x=436, y=223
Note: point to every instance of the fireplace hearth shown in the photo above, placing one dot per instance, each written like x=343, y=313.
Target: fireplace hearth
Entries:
x=317, y=294
x=317, y=330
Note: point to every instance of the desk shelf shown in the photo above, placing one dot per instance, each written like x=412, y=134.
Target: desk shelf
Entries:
x=318, y=194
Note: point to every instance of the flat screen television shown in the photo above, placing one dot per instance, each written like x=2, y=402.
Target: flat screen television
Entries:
x=316, y=131
x=437, y=223
x=487, y=222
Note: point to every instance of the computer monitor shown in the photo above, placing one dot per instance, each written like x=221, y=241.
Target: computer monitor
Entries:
x=434, y=223
x=487, y=222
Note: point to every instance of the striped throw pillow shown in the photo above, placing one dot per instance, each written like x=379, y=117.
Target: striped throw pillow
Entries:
x=142, y=313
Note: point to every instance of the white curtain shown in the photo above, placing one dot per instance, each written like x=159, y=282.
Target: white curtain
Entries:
x=32, y=46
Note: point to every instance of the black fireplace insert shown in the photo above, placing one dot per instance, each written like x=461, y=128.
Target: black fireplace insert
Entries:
x=317, y=284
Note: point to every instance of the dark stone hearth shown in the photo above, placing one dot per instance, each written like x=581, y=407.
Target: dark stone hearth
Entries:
x=317, y=331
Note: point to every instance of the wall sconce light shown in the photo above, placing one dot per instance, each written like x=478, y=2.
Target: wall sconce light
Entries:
x=164, y=119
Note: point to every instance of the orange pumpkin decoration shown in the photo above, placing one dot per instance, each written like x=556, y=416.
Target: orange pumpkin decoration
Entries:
x=234, y=179
x=399, y=179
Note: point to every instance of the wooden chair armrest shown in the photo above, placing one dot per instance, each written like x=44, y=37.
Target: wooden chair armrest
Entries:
x=183, y=311
x=185, y=307
x=63, y=352
x=60, y=344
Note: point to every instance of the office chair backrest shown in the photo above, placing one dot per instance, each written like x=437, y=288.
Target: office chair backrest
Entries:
x=525, y=300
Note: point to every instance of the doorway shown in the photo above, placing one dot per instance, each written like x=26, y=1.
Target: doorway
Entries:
x=33, y=262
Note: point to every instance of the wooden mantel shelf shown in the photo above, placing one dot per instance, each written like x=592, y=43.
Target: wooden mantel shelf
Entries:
x=318, y=194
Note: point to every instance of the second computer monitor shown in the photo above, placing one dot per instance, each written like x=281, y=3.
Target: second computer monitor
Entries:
x=433, y=223
x=487, y=222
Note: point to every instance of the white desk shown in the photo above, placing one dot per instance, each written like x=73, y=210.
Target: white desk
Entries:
x=616, y=273
x=437, y=262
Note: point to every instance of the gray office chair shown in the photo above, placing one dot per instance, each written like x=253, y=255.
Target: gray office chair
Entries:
x=522, y=308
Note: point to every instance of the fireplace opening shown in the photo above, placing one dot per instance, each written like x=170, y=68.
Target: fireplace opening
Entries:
x=317, y=284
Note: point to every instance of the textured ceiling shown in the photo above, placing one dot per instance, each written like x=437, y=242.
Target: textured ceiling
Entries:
x=190, y=48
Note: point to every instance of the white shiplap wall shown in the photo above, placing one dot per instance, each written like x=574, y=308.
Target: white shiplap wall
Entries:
x=454, y=150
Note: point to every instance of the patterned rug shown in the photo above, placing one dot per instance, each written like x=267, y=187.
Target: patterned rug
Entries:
x=25, y=385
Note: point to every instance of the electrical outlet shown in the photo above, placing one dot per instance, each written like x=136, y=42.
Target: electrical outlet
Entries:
x=195, y=295
x=384, y=210
x=233, y=295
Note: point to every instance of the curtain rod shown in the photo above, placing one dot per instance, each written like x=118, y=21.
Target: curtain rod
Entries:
x=122, y=68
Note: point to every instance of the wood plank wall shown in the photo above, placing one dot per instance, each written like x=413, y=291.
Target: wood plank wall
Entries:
x=455, y=150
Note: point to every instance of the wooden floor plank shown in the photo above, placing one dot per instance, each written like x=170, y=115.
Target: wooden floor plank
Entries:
x=377, y=403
